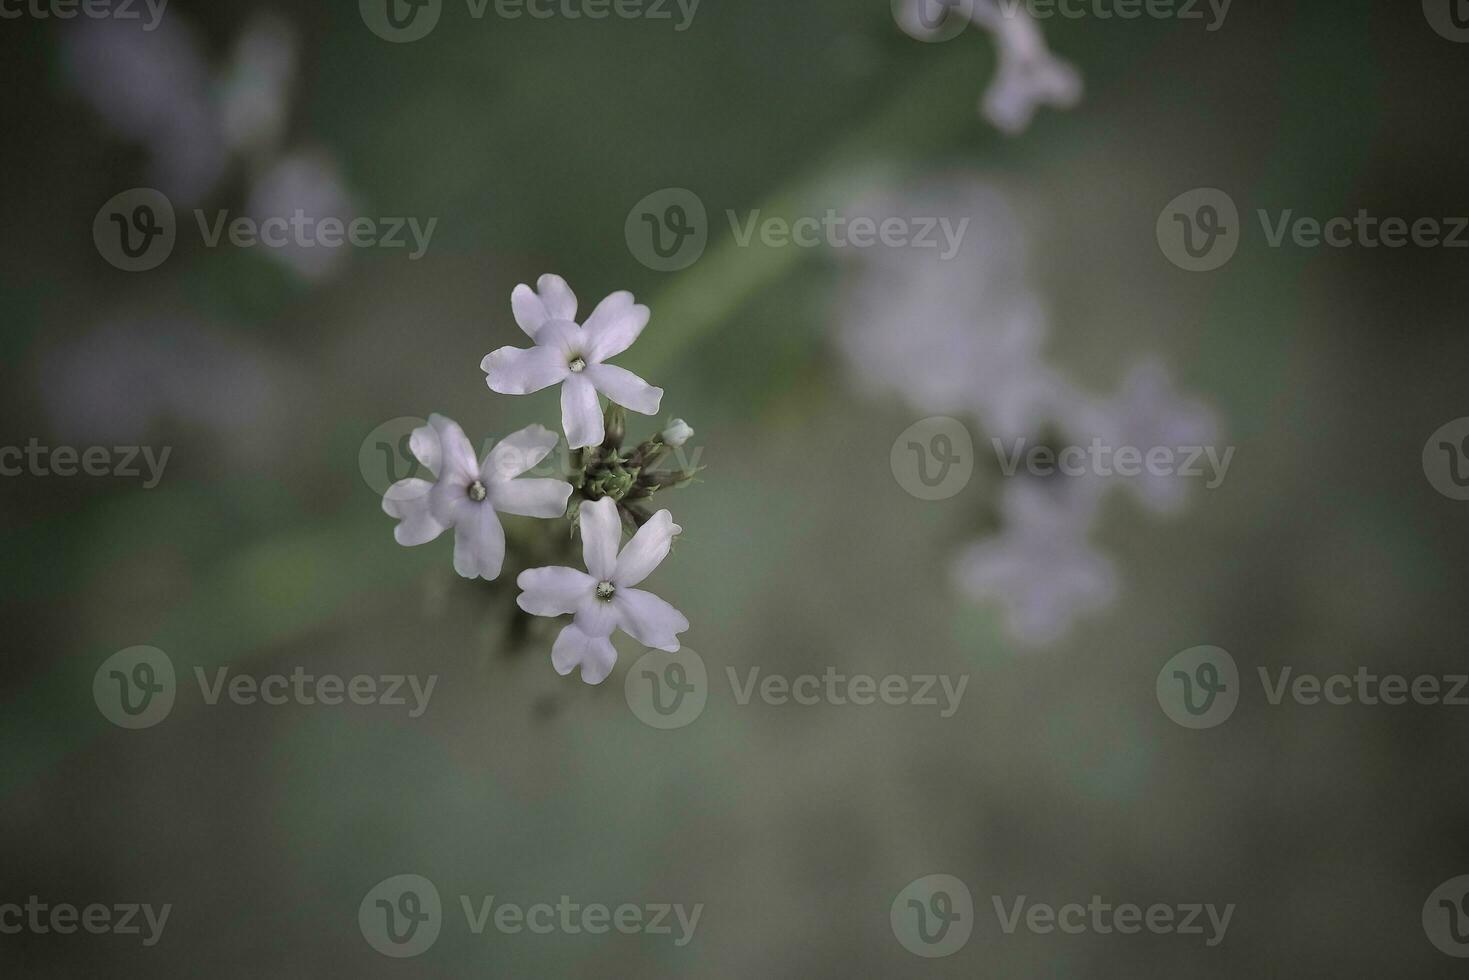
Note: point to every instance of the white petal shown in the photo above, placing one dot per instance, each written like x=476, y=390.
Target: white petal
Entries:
x=646, y=550
x=613, y=326
x=517, y=453
x=479, y=543
x=553, y=590
x=529, y=311
x=625, y=388
x=564, y=337
x=517, y=371
x=601, y=532
x=408, y=501
x=424, y=444
x=596, y=617
x=456, y=456
x=559, y=299
x=648, y=619
x=596, y=655
x=530, y=497
x=581, y=413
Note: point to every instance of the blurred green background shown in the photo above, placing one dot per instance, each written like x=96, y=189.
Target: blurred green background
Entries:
x=264, y=548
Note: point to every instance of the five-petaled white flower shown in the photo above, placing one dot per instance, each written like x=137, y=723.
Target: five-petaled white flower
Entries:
x=468, y=494
x=605, y=599
x=573, y=356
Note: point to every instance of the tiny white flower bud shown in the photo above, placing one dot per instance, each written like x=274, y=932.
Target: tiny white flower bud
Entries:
x=677, y=433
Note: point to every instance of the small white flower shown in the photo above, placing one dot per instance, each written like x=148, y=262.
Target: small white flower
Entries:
x=573, y=356
x=677, y=433
x=1041, y=568
x=605, y=599
x=1149, y=412
x=468, y=494
x=1029, y=75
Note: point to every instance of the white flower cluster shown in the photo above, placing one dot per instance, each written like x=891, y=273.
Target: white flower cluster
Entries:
x=967, y=338
x=468, y=494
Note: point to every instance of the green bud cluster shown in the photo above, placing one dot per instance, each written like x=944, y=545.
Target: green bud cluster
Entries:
x=629, y=476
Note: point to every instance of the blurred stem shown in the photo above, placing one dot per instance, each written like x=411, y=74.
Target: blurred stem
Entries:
x=924, y=115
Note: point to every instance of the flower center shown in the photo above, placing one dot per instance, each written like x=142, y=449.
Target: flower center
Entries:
x=577, y=365
x=477, y=491
x=605, y=590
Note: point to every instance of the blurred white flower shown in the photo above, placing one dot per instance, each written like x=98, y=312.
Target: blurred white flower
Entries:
x=156, y=88
x=1041, y=568
x=963, y=335
x=307, y=182
x=467, y=494
x=255, y=86
x=151, y=88
x=572, y=356
x=1028, y=74
x=1148, y=412
x=605, y=599
x=121, y=381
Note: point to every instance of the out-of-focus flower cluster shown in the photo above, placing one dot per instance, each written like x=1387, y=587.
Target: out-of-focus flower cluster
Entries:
x=201, y=121
x=967, y=337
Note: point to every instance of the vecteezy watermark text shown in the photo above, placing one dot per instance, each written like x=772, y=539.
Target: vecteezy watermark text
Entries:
x=669, y=690
x=1120, y=9
x=836, y=688
x=831, y=230
x=401, y=21
x=91, y=9
x=136, y=688
x=1201, y=229
x=934, y=916
x=669, y=229
x=1200, y=687
x=63, y=918
x=1100, y=459
x=66, y=461
x=137, y=229
x=402, y=916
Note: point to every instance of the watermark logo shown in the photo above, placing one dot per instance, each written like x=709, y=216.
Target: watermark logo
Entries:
x=1199, y=688
x=1446, y=917
x=934, y=20
x=1446, y=459
x=384, y=457
x=401, y=916
x=135, y=688
x=400, y=21
x=667, y=230
x=1199, y=230
x=667, y=690
x=933, y=459
x=135, y=230
x=1450, y=18
x=933, y=916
